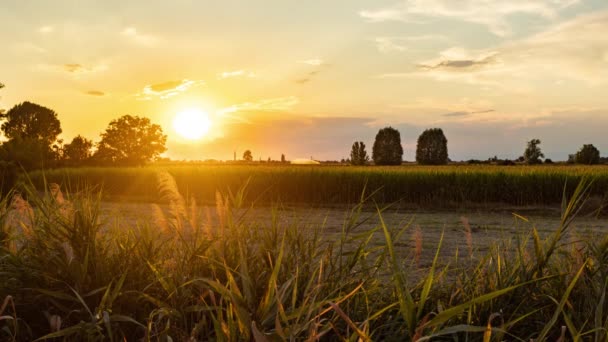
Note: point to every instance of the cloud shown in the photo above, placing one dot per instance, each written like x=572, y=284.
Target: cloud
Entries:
x=492, y=14
x=564, y=52
x=142, y=39
x=236, y=73
x=74, y=67
x=279, y=104
x=462, y=63
x=46, y=29
x=461, y=114
x=167, y=89
x=314, y=62
x=95, y=93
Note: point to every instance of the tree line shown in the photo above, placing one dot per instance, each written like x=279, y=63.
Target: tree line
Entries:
x=32, y=141
x=432, y=149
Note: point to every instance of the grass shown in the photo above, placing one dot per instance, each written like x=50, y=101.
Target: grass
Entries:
x=448, y=186
x=188, y=276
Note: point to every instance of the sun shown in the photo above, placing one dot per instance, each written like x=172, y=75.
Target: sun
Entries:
x=192, y=124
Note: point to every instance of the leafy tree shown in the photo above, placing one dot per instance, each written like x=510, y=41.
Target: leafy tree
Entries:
x=387, y=148
x=432, y=148
x=77, y=151
x=31, y=121
x=130, y=140
x=283, y=158
x=533, y=154
x=358, y=154
x=588, y=154
x=247, y=156
x=28, y=153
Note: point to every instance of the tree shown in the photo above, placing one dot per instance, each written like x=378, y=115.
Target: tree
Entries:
x=130, y=140
x=387, y=148
x=29, y=154
x=432, y=148
x=283, y=158
x=31, y=121
x=247, y=156
x=588, y=154
x=77, y=151
x=358, y=154
x=533, y=154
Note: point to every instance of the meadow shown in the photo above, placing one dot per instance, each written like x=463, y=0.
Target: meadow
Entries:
x=186, y=272
x=423, y=186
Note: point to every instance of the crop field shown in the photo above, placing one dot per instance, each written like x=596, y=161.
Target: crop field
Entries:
x=164, y=266
x=435, y=187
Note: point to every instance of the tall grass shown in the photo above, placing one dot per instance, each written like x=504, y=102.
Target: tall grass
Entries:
x=187, y=275
x=321, y=185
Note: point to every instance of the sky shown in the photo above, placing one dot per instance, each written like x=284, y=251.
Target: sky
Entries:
x=308, y=78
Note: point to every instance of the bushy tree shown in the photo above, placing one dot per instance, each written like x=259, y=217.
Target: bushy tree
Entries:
x=358, y=154
x=28, y=120
x=533, y=154
x=130, y=140
x=387, y=149
x=432, y=148
x=283, y=158
x=588, y=154
x=247, y=156
x=77, y=151
x=28, y=153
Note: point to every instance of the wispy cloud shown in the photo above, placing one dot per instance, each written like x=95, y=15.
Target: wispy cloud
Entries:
x=95, y=93
x=167, y=89
x=462, y=114
x=236, y=73
x=279, y=104
x=140, y=38
x=387, y=44
x=492, y=14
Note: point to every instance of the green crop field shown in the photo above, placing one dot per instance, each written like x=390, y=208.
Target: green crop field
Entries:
x=436, y=186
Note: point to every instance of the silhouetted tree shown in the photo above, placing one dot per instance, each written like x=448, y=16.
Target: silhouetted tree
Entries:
x=77, y=151
x=588, y=154
x=432, y=148
x=28, y=153
x=387, y=148
x=247, y=156
x=283, y=158
x=130, y=140
x=31, y=121
x=533, y=154
x=358, y=154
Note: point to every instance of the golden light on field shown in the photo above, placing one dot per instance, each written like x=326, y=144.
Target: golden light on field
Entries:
x=192, y=124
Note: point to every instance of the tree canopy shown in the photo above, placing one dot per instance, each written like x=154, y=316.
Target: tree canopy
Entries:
x=78, y=150
x=588, y=154
x=130, y=140
x=247, y=156
x=358, y=154
x=387, y=149
x=432, y=148
x=533, y=154
x=28, y=120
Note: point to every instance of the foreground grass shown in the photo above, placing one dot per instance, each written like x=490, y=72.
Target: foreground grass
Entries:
x=444, y=186
x=188, y=277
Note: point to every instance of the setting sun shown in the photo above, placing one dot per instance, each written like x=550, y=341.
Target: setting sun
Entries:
x=192, y=124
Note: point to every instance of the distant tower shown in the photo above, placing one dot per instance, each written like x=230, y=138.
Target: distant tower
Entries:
x=234, y=155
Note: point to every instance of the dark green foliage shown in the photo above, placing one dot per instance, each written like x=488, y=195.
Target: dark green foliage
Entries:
x=28, y=153
x=247, y=156
x=432, y=148
x=387, y=148
x=533, y=154
x=130, y=140
x=358, y=154
x=31, y=121
x=77, y=151
x=588, y=154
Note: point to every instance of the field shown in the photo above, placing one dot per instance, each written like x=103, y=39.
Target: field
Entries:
x=279, y=253
x=420, y=186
